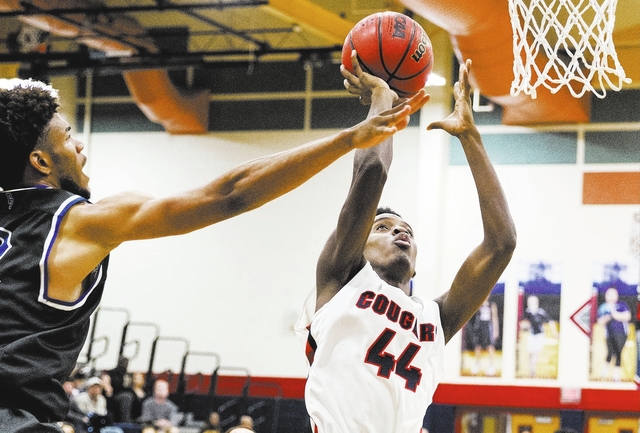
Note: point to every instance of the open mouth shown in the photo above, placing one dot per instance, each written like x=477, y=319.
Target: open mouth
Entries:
x=402, y=240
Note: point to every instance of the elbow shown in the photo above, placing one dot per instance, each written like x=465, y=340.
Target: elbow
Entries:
x=507, y=238
x=373, y=168
x=510, y=242
x=507, y=246
x=504, y=244
x=236, y=195
x=235, y=204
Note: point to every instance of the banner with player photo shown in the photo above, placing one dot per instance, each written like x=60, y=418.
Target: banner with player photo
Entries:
x=482, y=337
x=538, y=320
x=614, y=319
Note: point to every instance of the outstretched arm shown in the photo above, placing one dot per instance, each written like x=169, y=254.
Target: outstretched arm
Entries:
x=482, y=268
x=342, y=256
x=89, y=232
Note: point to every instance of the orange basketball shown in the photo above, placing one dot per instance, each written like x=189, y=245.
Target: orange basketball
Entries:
x=394, y=47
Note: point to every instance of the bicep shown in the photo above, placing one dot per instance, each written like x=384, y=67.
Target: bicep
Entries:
x=135, y=216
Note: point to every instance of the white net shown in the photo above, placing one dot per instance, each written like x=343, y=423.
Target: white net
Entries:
x=560, y=43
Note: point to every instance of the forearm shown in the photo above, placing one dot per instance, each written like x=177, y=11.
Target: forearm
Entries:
x=382, y=99
x=373, y=163
x=496, y=218
x=256, y=182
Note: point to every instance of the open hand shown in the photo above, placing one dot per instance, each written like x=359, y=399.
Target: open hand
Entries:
x=362, y=83
x=461, y=119
x=378, y=128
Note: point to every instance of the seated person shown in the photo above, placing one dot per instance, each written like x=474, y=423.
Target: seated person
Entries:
x=245, y=426
x=129, y=399
x=66, y=427
x=158, y=412
x=75, y=418
x=92, y=400
x=213, y=424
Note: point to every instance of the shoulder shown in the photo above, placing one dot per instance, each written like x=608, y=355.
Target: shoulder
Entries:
x=147, y=401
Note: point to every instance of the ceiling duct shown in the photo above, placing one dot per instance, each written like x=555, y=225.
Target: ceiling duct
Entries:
x=481, y=31
x=117, y=35
x=179, y=111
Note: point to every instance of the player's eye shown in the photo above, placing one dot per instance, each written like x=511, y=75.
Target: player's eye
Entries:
x=381, y=227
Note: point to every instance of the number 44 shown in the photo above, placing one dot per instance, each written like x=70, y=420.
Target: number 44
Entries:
x=387, y=363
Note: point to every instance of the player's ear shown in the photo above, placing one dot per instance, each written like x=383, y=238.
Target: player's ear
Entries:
x=40, y=161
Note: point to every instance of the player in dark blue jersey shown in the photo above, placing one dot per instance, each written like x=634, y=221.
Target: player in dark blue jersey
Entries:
x=55, y=245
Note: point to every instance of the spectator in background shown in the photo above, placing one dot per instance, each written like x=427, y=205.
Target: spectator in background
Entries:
x=66, y=427
x=118, y=375
x=245, y=426
x=158, y=412
x=75, y=418
x=108, y=393
x=79, y=381
x=213, y=424
x=246, y=422
x=92, y=401
x=129, y=400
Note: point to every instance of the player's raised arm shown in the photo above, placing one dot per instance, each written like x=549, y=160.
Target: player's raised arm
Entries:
x=342, y=256
x=482, y=268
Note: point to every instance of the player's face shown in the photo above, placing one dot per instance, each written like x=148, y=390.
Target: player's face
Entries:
x=67, y=157
x=391, y=245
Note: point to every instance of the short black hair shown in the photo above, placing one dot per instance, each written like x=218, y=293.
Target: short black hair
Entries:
x=26, y=108
x=384, y=209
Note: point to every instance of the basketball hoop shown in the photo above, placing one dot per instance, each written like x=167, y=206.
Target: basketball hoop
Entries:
x=575, y=36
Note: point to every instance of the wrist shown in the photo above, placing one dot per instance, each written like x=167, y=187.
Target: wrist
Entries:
x=383, y=93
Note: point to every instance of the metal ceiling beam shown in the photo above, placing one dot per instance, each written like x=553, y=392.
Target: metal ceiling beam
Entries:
x=151, y=57
x=263, y=46
x=68, y=63
x=28, y=10
x=328, y=24
x=127, y=40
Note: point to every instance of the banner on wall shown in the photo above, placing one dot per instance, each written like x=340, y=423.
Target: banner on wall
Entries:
x=538, y=320
x=482, y=337
x=614, y=319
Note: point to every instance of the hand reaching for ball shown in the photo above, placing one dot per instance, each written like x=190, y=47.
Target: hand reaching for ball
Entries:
x=461, y=119
x=391, y=46
x=363, y=84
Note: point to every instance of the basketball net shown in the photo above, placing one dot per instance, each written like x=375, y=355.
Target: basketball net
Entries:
x=575, y=36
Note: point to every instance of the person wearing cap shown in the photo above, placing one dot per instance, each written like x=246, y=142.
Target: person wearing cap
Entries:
x=92, y=401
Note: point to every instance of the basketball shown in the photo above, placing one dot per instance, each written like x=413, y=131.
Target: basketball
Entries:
x=393, y=47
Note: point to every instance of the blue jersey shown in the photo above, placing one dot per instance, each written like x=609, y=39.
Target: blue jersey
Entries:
x=40, y=337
